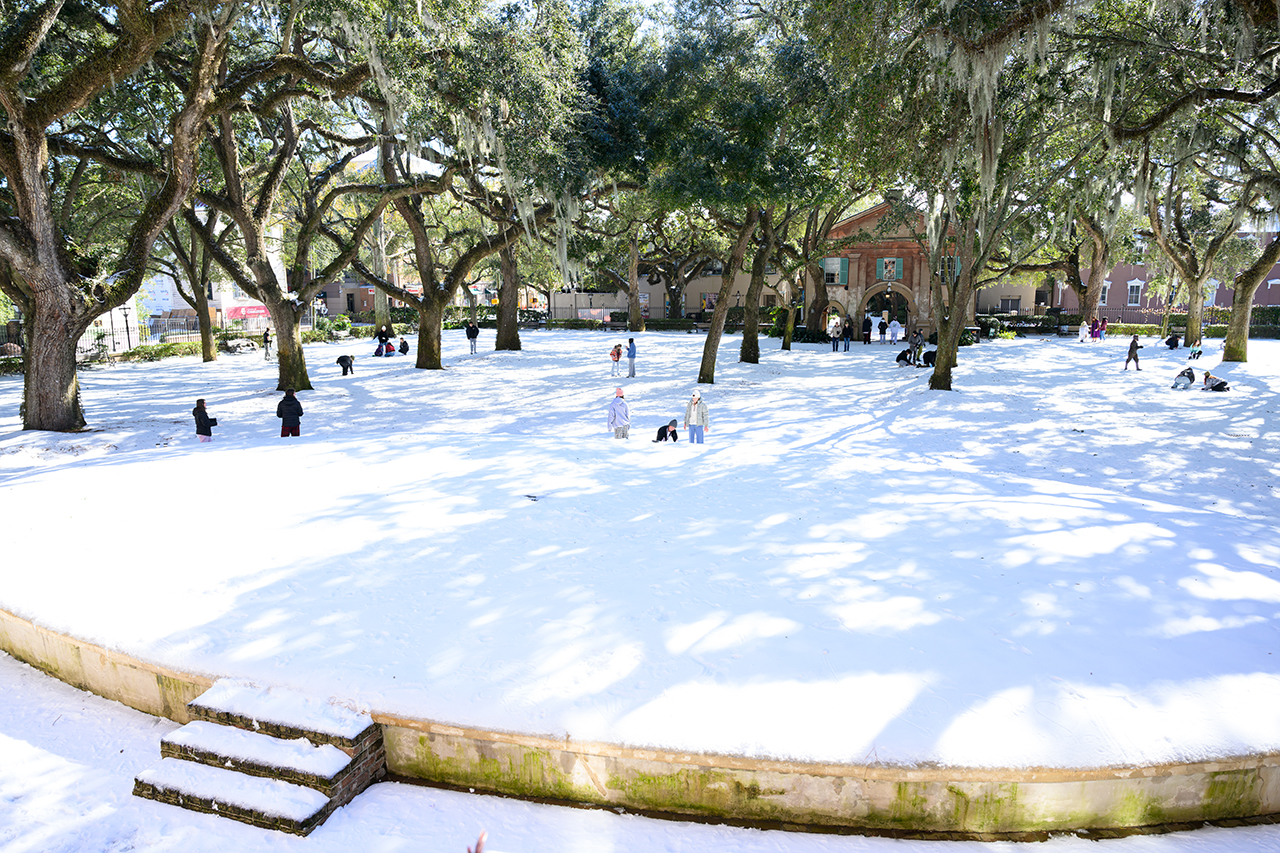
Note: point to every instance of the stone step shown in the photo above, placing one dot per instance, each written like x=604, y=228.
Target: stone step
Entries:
x=285, y=714
x=298, y=761
x=268, y=803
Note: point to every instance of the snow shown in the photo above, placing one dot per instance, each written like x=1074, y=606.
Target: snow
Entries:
x=298, y=754
x=1059, y=564
x=284, y=706
x=227, y=787
x=68, y=759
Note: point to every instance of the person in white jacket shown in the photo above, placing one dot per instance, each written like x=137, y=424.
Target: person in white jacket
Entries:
x=619, y=415
x=696, y=419
x=895, y=328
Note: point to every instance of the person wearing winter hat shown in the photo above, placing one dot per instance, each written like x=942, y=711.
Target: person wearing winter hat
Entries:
x=619, y=415
x=667, y=432
x=696, y=419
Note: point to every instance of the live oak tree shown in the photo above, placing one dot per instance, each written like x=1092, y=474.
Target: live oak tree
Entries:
x=61, y=62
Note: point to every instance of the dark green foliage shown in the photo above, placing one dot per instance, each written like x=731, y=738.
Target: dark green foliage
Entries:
x=155, y=352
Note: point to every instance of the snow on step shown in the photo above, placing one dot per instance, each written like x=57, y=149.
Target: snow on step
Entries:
x=245, y=746
x=284, y=707
x=267, y=796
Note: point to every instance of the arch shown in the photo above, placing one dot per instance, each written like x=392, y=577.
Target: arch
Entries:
x=892, y=296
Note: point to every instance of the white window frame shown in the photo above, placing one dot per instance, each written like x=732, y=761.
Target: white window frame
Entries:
x=1106, y=285
x=1135, y=295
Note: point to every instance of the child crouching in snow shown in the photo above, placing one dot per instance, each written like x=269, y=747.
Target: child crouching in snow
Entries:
x=667, y=433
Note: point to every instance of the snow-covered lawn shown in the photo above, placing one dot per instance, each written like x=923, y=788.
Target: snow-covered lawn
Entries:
x=1060, y=563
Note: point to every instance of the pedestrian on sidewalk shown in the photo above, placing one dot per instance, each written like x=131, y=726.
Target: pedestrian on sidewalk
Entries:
x=289, y=411
x=619, y=414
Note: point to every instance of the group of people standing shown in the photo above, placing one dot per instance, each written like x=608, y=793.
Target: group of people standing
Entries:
x=1095, y=330
x=839, y=331
x=615, y=355
x=697, y=420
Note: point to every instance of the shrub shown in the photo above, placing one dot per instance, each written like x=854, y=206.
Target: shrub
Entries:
x=663, y=324
x=155, y=352
x=576, y=323
x=11, y=366
x=1127, y=329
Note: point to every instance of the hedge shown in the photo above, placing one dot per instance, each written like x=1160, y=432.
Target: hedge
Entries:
x=155, y=352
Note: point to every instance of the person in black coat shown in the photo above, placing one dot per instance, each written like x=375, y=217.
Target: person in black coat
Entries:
x=289, y=411
x=204, y=423
x=866, y=330
x=347, y=363
x=473, y=332
x=667, y=432
x=883, y=327
x=404, y=347
x=904, y=358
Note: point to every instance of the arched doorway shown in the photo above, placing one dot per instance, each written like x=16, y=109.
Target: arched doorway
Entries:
x=891, y=301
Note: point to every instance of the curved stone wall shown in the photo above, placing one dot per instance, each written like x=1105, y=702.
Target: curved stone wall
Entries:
x=982, y=802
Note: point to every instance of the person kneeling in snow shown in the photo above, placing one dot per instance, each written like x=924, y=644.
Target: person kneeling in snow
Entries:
x=1184, y=379
x=904, y=358
x=667, y=432
x=1214, y=383
x=930, y=358
x=1195, y=351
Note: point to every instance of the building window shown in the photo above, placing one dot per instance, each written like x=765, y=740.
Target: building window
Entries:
x=1135, y=294
x=713, y=268
x=1106, y=285
x=831, y=271
x=1010, y=306
x=891, y=269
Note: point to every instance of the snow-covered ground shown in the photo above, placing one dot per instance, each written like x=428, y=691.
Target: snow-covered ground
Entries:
x=67, y=762
x=1060, y=563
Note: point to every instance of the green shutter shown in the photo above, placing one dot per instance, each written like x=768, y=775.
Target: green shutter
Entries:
x=844, y=272
x=900, y=267
x=879, y=269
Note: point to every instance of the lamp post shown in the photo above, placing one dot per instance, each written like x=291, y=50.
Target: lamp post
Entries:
x=128, y=342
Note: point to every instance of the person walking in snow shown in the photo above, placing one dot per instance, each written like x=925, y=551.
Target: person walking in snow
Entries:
x=204, y=423
x=895, y=329
x=917, y=346
x=866, y=330
x=615, y=355
x=619, y=414
x=473, y=332
x=883, y=327
x=289, y=411
x=1134, y=346
x=833, y=330
x=266, y=343
x=696, y=418
x=631, y=358
x=846, y=332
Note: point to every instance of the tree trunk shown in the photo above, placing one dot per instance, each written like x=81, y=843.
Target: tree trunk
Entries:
x=788, y=327
x=707, y=372
x=821, y=301
x=673, y=299
x=1236, y=346
x=290, y=358
x=950, y=328
x=1195, y=312
x=430, y=321
x=750, y=349
x=635, y=319
x=508, y=301
x=51, y=389
x=208, y=347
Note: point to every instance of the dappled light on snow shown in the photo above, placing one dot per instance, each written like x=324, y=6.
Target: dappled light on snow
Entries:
x=1056, y=564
